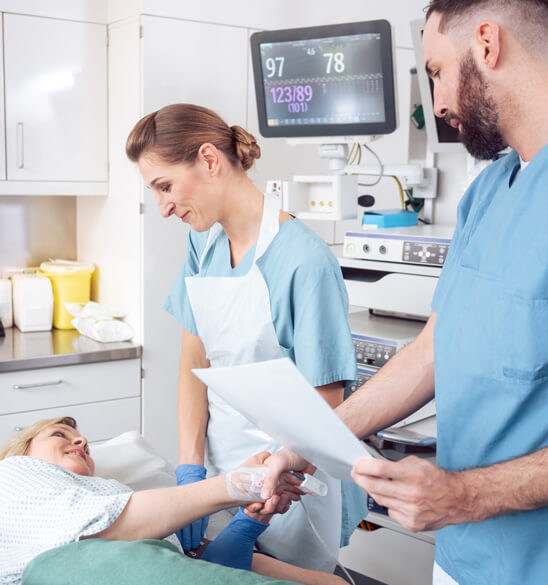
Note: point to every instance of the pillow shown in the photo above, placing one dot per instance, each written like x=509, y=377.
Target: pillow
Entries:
x=129, y=459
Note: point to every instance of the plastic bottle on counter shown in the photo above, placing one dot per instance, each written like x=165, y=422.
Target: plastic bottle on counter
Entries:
x=6, y=305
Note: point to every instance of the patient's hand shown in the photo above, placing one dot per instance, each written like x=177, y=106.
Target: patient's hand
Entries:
x=280, y=504
x=287, y=485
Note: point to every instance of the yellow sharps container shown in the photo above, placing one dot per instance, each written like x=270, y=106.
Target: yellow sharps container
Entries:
x=71, y=283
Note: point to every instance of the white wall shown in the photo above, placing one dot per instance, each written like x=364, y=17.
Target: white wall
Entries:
x=33, y=229
x=268, y=14
x=84, y=10
x=280, y=160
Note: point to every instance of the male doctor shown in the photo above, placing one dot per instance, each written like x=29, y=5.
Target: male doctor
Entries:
x=484, y=349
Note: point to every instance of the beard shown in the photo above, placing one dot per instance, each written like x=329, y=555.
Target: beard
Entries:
x=478, y=113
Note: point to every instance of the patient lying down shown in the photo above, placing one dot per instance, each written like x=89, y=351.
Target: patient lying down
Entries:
x=49, y=498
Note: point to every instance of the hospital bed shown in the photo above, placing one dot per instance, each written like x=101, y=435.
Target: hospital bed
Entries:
x=130, y=460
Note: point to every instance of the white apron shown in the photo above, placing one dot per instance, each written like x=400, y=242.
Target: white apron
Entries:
x=234, y=322
x=440, y=577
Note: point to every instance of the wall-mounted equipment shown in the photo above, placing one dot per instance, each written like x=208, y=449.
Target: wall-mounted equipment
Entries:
x=332, y=86
x=421, y=244
x=441, y=137
x=326, y=81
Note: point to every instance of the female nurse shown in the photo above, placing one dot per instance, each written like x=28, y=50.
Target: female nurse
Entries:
x=256, y=285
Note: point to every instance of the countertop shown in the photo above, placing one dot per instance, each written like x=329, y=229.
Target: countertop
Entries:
x=46, y=349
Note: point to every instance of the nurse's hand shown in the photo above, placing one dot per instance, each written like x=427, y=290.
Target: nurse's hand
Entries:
x=418, y=494
x=189, y=536
x=256, y=460
x=282, y=461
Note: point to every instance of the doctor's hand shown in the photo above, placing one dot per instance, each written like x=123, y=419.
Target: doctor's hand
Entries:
x=418, y=494
x=189, y=536
x=283, y=461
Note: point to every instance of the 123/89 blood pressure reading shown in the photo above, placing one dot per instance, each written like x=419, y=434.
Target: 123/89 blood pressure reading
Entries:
x=295, y=96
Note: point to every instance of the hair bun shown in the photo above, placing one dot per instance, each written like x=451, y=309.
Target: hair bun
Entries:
x=246, y=147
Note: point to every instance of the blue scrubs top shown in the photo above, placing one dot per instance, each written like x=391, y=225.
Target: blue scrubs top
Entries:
x=491, y=363
x=308, y=298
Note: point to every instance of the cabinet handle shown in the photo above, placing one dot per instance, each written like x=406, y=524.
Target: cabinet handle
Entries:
x=20, y=146
x=17, y=429
x=36, y=385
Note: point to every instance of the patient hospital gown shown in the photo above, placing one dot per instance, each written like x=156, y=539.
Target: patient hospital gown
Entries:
x=43, y=506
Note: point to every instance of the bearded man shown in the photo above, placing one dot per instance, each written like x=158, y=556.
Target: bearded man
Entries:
x=484, y=350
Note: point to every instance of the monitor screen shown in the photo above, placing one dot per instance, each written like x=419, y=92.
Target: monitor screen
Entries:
x=332, y=80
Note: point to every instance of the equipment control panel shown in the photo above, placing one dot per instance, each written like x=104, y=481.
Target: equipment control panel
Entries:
x=372, y=352
x=421, y=253
x=363, y=375
x=413, y=245
x=376, y=339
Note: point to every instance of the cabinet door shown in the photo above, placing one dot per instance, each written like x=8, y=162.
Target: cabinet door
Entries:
x=98, y=421
x=197, y=63
x=183, y=62
x=36, y=389
x=56, y=99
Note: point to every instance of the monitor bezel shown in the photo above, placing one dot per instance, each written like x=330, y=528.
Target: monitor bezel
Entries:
x=432, y=135
x=318, y=32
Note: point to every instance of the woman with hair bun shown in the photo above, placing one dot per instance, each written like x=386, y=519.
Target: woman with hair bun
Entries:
x=256, y=285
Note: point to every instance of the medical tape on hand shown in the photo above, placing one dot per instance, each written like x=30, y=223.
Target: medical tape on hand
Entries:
x=245, y=483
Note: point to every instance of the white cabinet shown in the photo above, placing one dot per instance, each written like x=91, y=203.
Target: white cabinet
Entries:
x=55, y=81
x=97, y=421
x=153, y=62
x=103, y=397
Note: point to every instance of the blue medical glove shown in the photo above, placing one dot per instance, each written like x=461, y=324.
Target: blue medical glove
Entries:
x=234, y=546
x=189, y=536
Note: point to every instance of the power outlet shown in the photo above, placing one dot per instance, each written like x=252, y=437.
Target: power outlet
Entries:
x=274, y=186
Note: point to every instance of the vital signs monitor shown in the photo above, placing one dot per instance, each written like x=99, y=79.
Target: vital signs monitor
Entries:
x=334, y=80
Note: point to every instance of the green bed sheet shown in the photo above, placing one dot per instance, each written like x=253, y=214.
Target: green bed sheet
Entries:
x=140, y=562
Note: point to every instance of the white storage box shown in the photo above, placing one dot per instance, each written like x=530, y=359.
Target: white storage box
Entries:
x=32, y=302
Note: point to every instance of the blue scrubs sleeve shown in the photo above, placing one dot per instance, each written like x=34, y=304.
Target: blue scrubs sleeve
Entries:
x=177, y=303
x=323, y=347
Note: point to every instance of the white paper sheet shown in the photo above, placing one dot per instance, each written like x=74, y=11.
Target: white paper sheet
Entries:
x=278, y=399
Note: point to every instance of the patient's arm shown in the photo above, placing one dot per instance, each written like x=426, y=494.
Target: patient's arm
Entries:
x=161, y=512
